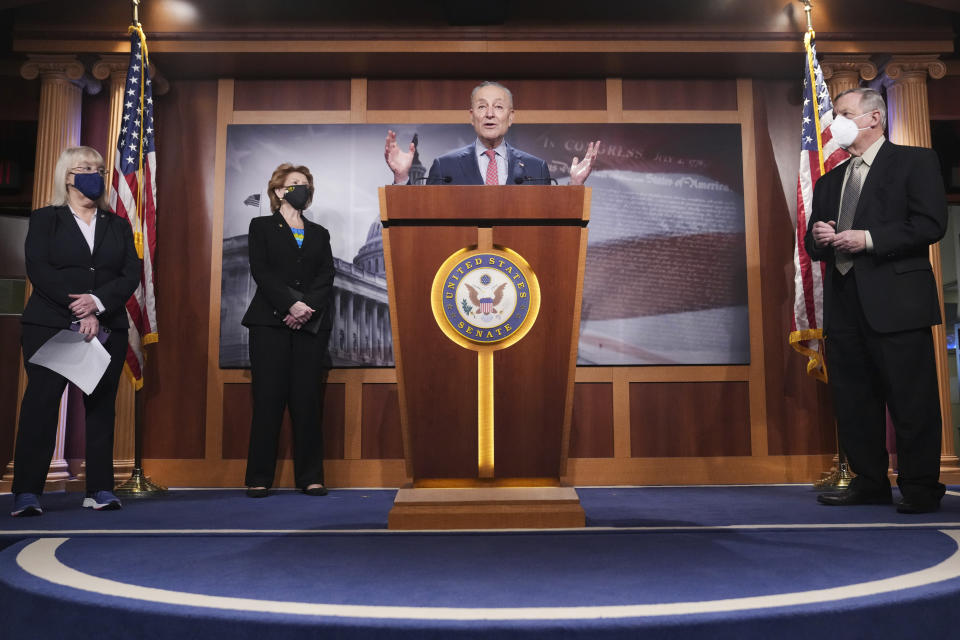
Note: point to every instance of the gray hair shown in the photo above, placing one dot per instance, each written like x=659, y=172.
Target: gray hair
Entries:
x=490, y=83
x=68, y=159
x=870, y=100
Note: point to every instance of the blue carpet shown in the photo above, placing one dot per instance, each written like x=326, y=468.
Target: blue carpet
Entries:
x=663, y=561
x=213, y=509
x=672, y=507
x=732, y=505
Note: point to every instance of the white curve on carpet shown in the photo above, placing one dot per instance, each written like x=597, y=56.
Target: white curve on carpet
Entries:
x=39, y=559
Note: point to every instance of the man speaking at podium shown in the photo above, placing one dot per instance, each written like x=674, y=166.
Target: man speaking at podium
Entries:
x=489, y=160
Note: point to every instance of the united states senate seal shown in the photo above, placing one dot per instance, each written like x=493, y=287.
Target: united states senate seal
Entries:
x=485, y=297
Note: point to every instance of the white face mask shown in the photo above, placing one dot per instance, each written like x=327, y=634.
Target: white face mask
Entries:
x=845, y=130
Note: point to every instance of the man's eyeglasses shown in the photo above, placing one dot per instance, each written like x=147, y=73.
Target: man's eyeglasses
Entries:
x=849, y=115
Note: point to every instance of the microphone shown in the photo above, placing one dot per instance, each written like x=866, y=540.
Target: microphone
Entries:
x=532, y=180
x=438, y=180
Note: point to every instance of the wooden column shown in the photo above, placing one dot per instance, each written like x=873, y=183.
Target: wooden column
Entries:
x=115, y=68
x=908, y=115
x=908, y=111
x=58, y=127
x=845, y=72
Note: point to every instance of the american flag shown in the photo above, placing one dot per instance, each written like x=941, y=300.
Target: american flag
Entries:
x=134, y=196
x=819, y=153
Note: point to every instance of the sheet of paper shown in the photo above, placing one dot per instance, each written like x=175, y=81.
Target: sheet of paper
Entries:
x=82, y=363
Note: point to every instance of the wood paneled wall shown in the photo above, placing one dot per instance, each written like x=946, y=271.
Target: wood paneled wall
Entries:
x=591, y=429
x=944, y=96
x=280, y=95
x=687, y=419
x=762, y=422
x=96, y=120
x=799, y=411
x=680, y=95
x=567, y=95
x=26, y=106
x=178, y=365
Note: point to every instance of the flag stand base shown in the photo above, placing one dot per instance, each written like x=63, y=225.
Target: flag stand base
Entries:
x=139, y=486
x=839, y=478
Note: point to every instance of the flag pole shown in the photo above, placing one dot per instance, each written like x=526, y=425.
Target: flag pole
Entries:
x=840, y=477
x=138, y=485
x=806, y=7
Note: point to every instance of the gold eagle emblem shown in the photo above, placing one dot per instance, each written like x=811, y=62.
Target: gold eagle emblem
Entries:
x=497, y=295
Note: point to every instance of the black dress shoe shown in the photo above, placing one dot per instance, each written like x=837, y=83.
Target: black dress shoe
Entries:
x=257, y=492
x=316, y=491
x=918, y=506
x=853, y=496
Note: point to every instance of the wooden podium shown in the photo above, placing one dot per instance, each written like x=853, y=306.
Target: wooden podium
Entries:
x=452, y=393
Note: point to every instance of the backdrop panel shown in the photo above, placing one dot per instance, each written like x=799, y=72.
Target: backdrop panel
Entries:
x=665, y=278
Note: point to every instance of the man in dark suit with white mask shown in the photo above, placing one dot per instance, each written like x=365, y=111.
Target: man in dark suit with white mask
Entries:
x=874, y=219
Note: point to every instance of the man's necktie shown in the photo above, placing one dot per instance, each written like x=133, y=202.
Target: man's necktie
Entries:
x=848, y=208
x=493, y=176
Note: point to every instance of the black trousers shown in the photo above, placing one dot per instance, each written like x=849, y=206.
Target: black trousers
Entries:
x=289, y=370
x=868, y=370
x=39, y=412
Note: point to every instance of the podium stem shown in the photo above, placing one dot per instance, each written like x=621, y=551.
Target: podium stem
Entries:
x=485, y=413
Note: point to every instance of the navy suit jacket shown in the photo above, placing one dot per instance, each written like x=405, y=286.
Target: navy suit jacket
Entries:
x=280, y=267
x=461, y=167
x=59, y=262
x=904, y=207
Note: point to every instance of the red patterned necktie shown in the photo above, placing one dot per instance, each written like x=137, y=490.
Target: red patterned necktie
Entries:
x=493, y=176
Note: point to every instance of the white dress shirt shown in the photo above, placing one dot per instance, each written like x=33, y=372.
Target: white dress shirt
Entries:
x=89, y=232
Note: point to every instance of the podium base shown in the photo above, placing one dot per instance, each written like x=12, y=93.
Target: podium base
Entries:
x=483, y=483
x=486, y=508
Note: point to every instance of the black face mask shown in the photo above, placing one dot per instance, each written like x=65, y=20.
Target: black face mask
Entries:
x=298, y=196
x=89, y=184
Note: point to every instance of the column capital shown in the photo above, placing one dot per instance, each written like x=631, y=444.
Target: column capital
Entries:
x=110, y=66
x=851, y=64
x=115, y=68
x=915, y=68
x=68, y=67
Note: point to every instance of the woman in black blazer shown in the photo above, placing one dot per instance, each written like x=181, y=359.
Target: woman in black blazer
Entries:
x=83, y=266
x=289, y=322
